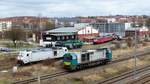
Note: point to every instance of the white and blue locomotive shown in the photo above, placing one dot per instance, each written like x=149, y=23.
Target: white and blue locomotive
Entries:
x=80, y=60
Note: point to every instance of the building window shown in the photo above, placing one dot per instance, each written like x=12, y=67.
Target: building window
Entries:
x=67, y=37
x=63, y=37
x=73, y=37
x=58, y=38
x=48, y=38
x=4, y=25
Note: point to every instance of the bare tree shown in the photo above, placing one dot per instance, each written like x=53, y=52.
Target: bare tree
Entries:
x=15, y=34
x=49, y=25
x=129, y=41
x=148, y=23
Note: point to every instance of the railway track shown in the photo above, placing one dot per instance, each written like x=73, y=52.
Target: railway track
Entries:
x=42, y=77
x=142, y=80
x=6, y=66
x=66, y=72
x=119, y=79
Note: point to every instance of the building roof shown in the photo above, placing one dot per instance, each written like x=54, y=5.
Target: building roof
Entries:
x=137, y=29
x=63, y=30
x=67, y=19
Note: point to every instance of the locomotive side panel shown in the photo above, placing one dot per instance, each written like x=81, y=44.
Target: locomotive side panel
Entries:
x=97, y=55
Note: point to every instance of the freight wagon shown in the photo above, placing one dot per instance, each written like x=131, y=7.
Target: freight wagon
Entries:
x=70, y=44
x=103, y=39
x=80, y=60
x=28, y=56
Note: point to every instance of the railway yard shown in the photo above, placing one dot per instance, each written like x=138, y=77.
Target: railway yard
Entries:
x=118, y=71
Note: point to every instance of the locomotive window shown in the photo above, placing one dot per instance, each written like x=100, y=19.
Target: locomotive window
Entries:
x=55, y=53
x=67, y=58
x=109, y=51
x=91, y=53
x=27, y=54
x=88, y=56
x=85, y=57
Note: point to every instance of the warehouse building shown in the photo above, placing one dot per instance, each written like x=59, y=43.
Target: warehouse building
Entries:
x=67, y=33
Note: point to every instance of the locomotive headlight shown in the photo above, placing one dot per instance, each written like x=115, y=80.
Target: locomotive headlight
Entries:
x=67, y=63
x=18, y=57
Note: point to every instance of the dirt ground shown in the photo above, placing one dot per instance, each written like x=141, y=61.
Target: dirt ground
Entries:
x=97, y=74
x=42, y=68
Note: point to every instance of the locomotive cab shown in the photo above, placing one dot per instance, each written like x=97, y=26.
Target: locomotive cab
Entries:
x=24, y=57
x=108, y=54
x=70, y=60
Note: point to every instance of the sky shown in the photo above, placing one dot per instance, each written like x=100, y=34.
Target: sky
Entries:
x=71, y=8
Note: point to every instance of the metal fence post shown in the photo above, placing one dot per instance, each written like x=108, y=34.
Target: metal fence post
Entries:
x=39, y=79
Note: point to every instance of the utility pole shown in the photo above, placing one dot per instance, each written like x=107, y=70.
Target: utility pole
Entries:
x=39, y=28
x=135, y=51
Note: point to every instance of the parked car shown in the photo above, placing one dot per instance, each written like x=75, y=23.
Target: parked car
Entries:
x=3, y=49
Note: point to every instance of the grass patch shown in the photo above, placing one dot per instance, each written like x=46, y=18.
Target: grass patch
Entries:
x=5, y=82
x=19, y=45
x=77, y=80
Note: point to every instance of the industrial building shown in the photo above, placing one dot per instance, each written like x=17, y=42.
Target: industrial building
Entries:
x=142, y=33
x=67, y=33
x=110, y=28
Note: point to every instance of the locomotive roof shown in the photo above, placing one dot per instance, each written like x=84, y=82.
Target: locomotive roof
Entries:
x=43, y=49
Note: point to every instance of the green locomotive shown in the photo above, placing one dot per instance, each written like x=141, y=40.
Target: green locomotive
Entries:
x=80, y=60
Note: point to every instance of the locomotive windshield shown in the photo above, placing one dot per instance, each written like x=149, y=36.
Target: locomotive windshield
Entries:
x=68, y=58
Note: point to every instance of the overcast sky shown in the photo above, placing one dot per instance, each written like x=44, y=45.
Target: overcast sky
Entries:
x=61, y=8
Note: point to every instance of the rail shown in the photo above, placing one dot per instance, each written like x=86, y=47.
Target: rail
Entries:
x=66, y=72
x=115, y=79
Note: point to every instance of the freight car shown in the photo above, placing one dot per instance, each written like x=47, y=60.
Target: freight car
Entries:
x=70, y=44
x=103, y=39
x=80, y=60
x=28, y=56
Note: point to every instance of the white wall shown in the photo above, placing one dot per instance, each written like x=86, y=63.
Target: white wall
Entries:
x=87, y=30
x=109, y=20
x=127, y=26
x=5, y=25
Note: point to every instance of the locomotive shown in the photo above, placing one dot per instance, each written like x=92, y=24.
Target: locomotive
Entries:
x=28, y=56
x=79, y=60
